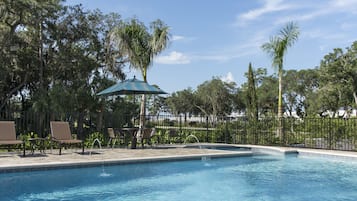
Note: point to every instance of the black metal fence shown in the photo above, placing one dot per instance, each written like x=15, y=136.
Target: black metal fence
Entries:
x=320, y=133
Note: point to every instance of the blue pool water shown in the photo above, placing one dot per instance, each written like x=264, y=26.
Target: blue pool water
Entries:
x=257, y=178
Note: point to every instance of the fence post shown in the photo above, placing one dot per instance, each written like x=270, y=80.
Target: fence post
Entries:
x=180, y=125
x=245, y=132
x=329, y=134
x=226, y=132
x=206, y=128
x=283, y=137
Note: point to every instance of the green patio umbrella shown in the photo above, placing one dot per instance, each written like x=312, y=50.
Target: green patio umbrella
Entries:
x=131, y=86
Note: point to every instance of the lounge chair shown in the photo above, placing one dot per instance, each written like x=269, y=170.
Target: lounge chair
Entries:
x=61, y=134
x=147, y=134
x=8, y=135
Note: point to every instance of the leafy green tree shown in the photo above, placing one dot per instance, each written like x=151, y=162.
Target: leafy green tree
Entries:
x=266, y=93
x=291, y=93
x=113, y=61
x=20, y=40
x=349, y=63
x=79, y=40
x=182, y=102
x=338, y=78
x=300, y=91
x=215, y=98
x=239, y=103
x=139, y=45
x=59, y=56
x=158, y=105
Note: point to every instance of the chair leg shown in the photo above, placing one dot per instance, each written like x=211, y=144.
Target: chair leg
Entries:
x=60, y=149
x=113, y=143
x=110, y=141
x=51, y=146
x=24, y=146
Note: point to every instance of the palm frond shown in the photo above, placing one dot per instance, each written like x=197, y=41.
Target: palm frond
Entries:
x=278, y=45
x=134, y=41
x=160, y=37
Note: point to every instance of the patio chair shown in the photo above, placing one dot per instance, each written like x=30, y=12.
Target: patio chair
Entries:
x=173, y=135
x=147, y=134
x=61, y=134
x=114, y=135
x=8, y=135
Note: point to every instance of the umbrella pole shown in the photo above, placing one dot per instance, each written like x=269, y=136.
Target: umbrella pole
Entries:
x=142, y=117
x=134, y=106
x=142, y=111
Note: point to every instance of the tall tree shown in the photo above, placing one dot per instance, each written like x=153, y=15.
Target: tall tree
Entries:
x=20, y=54
x=291, y=94
x=277, y=48
x=252, y=102
x=300, y=91
x=307, y=87
x=139, y=45
x=267, y=101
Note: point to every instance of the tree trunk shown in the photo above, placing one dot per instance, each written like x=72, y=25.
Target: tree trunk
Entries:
x=280, y=105
x=80, y=124
x=100, y=120
x=355, y=97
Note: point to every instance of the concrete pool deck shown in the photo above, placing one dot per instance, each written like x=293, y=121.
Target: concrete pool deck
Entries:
x=15, y=162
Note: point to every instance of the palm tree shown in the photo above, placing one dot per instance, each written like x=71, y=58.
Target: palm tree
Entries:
x=139, y=45
x=276, y=48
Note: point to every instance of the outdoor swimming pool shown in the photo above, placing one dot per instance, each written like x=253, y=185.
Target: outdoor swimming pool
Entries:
x=254, y=178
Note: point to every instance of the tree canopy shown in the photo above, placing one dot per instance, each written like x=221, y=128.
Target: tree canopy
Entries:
x=55, y=58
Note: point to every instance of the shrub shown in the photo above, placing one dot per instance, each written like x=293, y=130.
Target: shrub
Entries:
x=88, y=142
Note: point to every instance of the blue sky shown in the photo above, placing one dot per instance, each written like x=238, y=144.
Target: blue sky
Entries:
x=212, y=38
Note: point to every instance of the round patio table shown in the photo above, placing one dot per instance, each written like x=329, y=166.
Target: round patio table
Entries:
x=39, y=143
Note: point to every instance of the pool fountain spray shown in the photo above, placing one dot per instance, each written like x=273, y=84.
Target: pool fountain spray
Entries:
x=203, y=158
x=103, y=174
x=194, y=137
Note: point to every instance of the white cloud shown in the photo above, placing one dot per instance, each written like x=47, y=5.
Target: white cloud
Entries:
x=348, y=4
x=173, y=58
x=316, y=10
x=228, y=78
x=323, y=34
x=250, y=46
x=212, y=57
x=269, y=6
x=182, y=38
x=177, y=37
x=344, y=6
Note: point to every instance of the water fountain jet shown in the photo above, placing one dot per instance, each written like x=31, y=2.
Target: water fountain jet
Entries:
x=103, y=173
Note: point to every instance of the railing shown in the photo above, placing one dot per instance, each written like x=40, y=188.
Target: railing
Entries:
x=319, y=133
